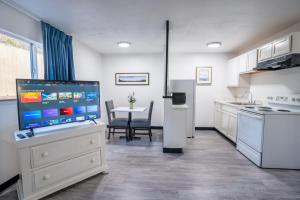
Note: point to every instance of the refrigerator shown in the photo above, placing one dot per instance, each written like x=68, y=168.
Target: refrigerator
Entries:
x=189, y=87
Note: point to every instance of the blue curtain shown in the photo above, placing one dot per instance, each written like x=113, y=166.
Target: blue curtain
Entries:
x=58, y=54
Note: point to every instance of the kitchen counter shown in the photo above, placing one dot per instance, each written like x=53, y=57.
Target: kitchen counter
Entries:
x=229, y=103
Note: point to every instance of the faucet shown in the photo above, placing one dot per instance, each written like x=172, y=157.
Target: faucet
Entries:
x=251, y=98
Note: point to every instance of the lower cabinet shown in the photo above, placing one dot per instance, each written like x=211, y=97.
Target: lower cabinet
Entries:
x=232, y=127
x=225, y=120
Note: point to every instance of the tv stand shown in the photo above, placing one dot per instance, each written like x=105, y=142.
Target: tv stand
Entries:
x=92, y=120
x=58, y=157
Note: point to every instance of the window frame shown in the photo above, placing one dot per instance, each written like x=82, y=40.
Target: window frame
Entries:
x=33, y=45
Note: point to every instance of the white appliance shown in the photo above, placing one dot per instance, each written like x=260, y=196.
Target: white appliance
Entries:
x=189, y=87
x=175, y=127
x=269, y=135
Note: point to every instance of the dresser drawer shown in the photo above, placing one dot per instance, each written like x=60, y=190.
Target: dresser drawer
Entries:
x=57, y=151
x=62, y=171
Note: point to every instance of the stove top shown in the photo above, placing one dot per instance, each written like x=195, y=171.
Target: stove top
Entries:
x=269, y=110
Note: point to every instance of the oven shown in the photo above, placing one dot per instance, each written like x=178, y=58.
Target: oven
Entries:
x=250, y=135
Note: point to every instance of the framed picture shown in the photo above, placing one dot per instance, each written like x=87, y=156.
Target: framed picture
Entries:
x=204, y=75
x=132, y=78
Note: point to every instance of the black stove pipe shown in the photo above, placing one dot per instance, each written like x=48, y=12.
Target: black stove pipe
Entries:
x=167, y=61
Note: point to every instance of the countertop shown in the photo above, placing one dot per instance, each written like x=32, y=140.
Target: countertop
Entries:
x=229, y=104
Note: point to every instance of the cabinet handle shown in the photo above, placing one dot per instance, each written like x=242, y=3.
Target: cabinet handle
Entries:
x=92, y=142
x=45, y=154
x=93, y=160
x=46, y=177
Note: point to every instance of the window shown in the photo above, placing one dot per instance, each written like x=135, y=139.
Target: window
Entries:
x=40, y=63
x=15, y=63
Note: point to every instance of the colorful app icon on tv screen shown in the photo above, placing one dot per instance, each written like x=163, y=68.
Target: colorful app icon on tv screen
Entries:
x=78, y=95
x=92, y=108
x=66, y=111
x=66, y=120
x=49, y=96
x=91, y=95
x=32, y=125
x=91, y=117
x=30, y=97
x=33, y=114
x=46, y=103
x=51, y=122
x=80, y=118
x=80, y=110
x=50, y=113
x=65, y=95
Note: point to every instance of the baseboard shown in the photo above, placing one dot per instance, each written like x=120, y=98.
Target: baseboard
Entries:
x=172, y=150
x=226, y=138
x=157, y=127
x=196, y=128
x=152, y=127
x=9, y=183
x=205, y=128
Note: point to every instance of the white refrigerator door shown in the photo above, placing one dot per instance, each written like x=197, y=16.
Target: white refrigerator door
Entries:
x=189, y=87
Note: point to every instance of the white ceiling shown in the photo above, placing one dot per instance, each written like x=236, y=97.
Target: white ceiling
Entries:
x=102, y=23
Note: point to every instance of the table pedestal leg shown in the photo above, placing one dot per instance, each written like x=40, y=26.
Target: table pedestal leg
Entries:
x=129, y=137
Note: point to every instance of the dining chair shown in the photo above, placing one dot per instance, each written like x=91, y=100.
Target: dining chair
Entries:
x=143, y=123
x=115, y=123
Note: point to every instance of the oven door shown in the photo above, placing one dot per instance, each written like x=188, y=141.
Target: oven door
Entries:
x=250, y=135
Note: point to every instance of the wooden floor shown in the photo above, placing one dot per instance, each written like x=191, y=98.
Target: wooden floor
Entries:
x=209, y=169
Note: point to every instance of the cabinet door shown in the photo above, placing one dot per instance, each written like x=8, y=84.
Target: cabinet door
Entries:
x=217, y=120
x=232, y=127
x=282, y=46
x=224, y=123
x=242, y=63
x=265, y=52
x=251, y=60
x=233, y=74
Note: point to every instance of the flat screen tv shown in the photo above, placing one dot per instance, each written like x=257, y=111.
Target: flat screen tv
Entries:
x=46, y=103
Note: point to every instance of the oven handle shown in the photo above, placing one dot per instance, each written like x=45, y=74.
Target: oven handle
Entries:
x=252, y=115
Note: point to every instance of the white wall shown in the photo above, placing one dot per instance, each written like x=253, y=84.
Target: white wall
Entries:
x=183, y=66
x=15, y=22
x=282, y=82
x=126, y=63
x=87, y=67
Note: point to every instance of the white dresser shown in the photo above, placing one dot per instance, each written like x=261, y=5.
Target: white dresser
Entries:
x=59, y=156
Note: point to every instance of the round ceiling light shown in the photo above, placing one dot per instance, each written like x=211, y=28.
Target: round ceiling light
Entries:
x=214, y=44
x=124, y=44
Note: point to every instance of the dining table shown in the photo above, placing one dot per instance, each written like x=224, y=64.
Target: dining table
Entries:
x=127, y=109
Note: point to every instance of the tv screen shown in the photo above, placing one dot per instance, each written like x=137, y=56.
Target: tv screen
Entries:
x=46, y=103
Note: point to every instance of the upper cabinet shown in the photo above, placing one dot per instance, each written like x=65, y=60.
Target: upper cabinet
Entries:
x=251, y=60
x=235, y=68
x=239, y=67
x=248, y=61
x=282, y=46
x=242, y=65
x=233, y=74
x=276, y=48
x=265, y=52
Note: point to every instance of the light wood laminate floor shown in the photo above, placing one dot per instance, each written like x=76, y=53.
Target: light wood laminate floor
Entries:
x=209, y=169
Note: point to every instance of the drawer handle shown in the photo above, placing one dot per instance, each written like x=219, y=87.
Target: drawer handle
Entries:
x=93, y=160
x=45, y=154
x=92, y=142
x=46, y=177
